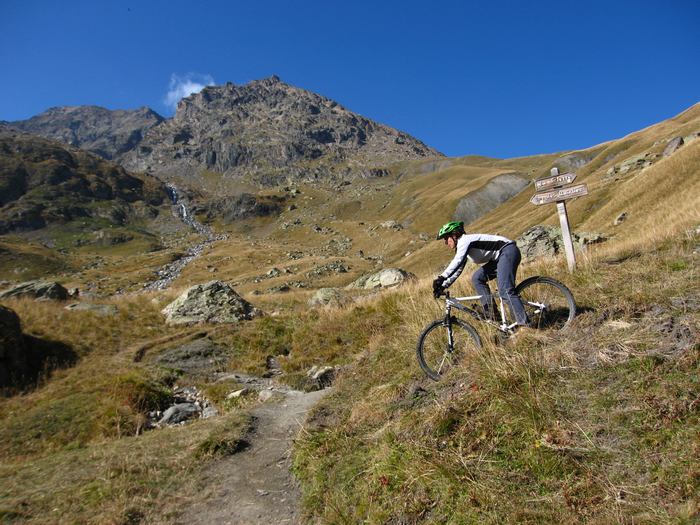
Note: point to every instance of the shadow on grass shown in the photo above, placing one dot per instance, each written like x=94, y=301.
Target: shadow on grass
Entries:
x=41, y=358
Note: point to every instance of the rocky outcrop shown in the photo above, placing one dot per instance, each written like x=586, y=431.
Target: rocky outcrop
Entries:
x=13, y=359
x=547, y=241
x=188, y=403
x=386, y=278
x=622, y=217
x=490, y=196
x=242, y=206
x=329, y=297
x=198, y=356
x=42, y=290
x=274, y=132
x=43, y=182
x=213, y=302
x=102, y=310
x=633, y=163
x=673, y=146
x=322, y=376
x=540, y=241
x=107, y=133
x=574, y=161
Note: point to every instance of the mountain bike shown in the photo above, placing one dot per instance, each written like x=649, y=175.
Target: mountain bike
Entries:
x=444, y=342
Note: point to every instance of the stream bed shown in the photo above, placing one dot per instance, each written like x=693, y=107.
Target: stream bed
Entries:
x=168, y=273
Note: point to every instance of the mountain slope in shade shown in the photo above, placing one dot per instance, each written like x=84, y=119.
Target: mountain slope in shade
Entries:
x=43, y=182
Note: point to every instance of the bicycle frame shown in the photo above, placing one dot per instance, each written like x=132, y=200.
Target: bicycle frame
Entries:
x=454, y=302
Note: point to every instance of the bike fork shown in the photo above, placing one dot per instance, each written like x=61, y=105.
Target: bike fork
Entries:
x=448, y=323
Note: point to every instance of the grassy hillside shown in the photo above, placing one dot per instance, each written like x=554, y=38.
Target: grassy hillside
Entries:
x=596, y=425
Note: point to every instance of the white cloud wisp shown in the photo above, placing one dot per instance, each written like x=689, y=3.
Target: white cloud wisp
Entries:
x=183, y=86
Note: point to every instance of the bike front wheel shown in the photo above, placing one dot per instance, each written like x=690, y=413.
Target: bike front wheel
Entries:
x=548, y=303
x=434, y=353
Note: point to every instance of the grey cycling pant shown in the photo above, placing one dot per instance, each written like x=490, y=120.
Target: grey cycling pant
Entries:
x=503, y=270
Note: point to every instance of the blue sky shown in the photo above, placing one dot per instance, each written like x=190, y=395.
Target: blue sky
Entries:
x=502, y=79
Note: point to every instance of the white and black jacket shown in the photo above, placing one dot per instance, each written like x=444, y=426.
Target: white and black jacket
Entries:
x=478, y=248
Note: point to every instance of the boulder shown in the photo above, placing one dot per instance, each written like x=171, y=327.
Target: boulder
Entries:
x=13, y=359
x=238, y=393
x=209, y=412
x=265, y=395
x=547, y=241
x=329, y=297
x=179, y=413
x=391, y=225
x=42, y=290
x=690, y=138
x=540, y=241
x=585, y=238
x=200, y=355
x=213, y=302
x=103, y=310
x=322, y=376
x=672, y=146
x=620, y=219
x=386, y=278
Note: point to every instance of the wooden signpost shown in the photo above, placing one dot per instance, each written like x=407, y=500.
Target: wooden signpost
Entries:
x=554, y=181
x=556, y=193
x=559, y=194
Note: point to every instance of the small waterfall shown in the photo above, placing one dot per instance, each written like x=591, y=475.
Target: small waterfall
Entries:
x=171, y=271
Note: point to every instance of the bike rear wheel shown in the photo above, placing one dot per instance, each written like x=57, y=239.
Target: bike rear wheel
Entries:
x=433, y=350
x=548, y=303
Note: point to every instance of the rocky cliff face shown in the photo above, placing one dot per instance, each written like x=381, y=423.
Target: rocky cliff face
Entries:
x=272, y=132
x=107, y=133
x=43, y=182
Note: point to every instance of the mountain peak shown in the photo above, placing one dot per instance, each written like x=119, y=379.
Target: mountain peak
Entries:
x=270, y=131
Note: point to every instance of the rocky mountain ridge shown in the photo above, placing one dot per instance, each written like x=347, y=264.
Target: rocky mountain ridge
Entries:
x=108, y=133
x=267, y=131
x=271, y=132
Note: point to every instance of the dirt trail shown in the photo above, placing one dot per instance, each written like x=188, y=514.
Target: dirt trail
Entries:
x=255, y=486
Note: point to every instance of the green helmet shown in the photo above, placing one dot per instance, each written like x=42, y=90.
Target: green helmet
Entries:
x=454, y=226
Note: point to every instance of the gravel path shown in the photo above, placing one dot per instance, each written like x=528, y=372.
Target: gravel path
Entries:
x=256, y=487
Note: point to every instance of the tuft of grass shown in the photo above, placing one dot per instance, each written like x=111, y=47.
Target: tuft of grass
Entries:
x=226, y=438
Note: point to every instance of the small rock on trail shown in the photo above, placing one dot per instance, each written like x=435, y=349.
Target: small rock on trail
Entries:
x=256, y=487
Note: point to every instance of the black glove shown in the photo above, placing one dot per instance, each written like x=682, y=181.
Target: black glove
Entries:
x=438, y=290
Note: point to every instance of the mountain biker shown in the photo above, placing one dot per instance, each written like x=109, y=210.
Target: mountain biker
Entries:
x=500, y=258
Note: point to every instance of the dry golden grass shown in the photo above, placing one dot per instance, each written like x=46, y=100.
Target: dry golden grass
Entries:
x=544, y=431
x=660, y=201
x=130, y=480
x=549, y=430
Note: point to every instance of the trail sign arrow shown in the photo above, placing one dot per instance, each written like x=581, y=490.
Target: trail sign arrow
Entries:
x=554, y=181
x=560, y=194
